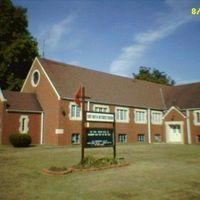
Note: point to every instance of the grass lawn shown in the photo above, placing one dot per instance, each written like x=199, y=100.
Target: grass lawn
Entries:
x=155, y=172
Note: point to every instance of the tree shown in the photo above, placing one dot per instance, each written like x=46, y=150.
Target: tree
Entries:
x=17, y=47
x=153, y=75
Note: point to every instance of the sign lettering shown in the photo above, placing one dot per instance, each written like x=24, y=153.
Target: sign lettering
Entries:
x=99, y=117
x=99, y=138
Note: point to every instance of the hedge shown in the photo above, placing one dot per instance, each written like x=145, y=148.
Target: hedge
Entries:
x=20, y=140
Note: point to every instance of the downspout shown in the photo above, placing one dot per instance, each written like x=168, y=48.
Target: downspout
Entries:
x=149, y=124
x=188, y=126
x=42, y=129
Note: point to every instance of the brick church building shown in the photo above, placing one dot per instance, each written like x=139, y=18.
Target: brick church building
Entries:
x=144, y=111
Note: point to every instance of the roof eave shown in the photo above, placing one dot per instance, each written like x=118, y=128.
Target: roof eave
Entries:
x=24, y=111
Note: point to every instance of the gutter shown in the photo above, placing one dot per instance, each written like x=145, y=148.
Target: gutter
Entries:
x=23, y=111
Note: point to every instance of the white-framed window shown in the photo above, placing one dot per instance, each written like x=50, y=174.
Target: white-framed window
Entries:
x=23, y=124
x=140, y=138
x=75, y=138
x=74, y=111
x=198, y=139
x=156, y=117
x=157, y=138
x=122, y=138
x=140, y=116
x=122, y=114
x=100, y=108
x=35, y=79
x=196, y=117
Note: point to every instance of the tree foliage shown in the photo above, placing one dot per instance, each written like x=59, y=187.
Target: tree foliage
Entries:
x=17, y=47
x=153, y=75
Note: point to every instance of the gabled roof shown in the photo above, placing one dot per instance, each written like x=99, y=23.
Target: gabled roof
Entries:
x=18, y=101
x=111, y=89
x=185, y=96
x=103, y=87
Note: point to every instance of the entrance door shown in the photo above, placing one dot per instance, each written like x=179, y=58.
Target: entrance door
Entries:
x=174, y=133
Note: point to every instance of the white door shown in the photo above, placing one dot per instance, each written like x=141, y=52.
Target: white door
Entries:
x=175, y=134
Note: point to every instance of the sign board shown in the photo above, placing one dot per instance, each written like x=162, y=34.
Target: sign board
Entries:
x=100, y=117
x=99, y=137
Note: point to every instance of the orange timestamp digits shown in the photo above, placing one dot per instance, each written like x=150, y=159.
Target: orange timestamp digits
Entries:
x=195, y=11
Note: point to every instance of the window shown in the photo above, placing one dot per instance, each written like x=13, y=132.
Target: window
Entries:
x=122, y=114
x=157, y=138
x=75, y=138
x=175, y=128
x=100, y=108
x=140, y=116
x=140, y=137
x=122, y=138
x=75, y=112
x=198, y=139
x=197, y=117
x=23, y=124
x=35, y=78
x=156, y=117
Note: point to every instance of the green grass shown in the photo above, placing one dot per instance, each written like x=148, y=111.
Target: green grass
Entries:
x=155, y=172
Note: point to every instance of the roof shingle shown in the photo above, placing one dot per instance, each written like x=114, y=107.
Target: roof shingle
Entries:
x=104, y=87
x=21, y=101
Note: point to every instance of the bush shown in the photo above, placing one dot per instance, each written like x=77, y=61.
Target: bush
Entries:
x=90, y=161
x=20, y=140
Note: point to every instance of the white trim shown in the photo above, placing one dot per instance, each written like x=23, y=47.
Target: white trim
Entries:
x=42, y=128
x=167, y=124
x=149, y=124
x=74, y=118
x=145, y=116
x=36, y=59
x=2, y=98
x=156, y=112
x=25, y=128
x=196, y=123
x=101, y=106
x=173, y=108
x=127, y=117
x=188, y=126
x=32, y=78
x=28, y=74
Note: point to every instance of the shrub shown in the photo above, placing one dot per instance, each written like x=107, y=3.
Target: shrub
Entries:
x=90, y=161
x=20, y=140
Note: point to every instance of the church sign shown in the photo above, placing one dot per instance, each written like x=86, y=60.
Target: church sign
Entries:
x=99, y=137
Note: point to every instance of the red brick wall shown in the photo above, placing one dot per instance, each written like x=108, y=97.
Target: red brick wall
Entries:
x=49, y=102
x=72, y=126
x=194, y=129
x=12, y=124
x=1, y=120
x=157, y=129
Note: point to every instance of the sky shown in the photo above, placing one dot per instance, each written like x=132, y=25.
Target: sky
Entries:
x=119, y=36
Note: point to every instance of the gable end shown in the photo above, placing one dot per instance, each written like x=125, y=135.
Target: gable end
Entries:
x=46, y=75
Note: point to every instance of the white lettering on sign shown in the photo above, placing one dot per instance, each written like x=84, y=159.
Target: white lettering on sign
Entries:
x=99, y=117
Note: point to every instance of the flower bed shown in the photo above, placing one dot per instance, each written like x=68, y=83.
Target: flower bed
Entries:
x=89, y=164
